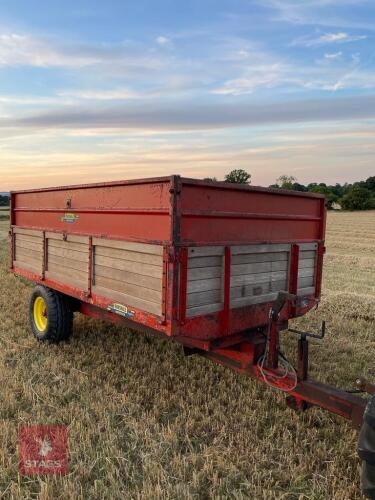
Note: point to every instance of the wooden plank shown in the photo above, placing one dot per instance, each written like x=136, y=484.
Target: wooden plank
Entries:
x=68, y=273
x=125, y=265
x=202, y=310
x=26, y=254
x=28, y=245
x=201, y=273
x=258, y=289
x=206, y=251
x=306, y=282
x=28, y=266
x=144, y=258
x=67, y=238
x=264, y=248
x=129, y=277
x=68, y=254
x=306, y=263
x=27, y=258
x=248, y=301
x=203, y=285
x=128, y=300
x=67, y=263
x=204, y=298
x=248, y=279
x=28, y=238
x=129, y=245
x=307, y=246
x=262, y=257
x=212, y=261
x=29, y=232
x=129, y=289
x=306, y=291
x=303, y=273
x=259, y=267
x=62, y=278
x=308, y=254
x=68, y=245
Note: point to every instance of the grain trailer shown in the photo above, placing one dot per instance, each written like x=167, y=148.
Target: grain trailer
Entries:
x=220, y=268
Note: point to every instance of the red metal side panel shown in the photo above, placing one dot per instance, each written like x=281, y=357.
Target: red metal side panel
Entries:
x=222, y=214
x=130, y=210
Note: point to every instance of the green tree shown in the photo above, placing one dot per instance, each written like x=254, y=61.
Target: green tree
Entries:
x=358, y=198
x=331, y=197
x=4, y=201
x=286, y=181
x=238, y=176
x=370, y=183
x=296, y=186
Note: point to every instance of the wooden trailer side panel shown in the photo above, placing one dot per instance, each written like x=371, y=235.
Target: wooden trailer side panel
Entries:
x=28, y=250
x=67, y=259
x=257, y=273
x=129, y=273
x=124, y=273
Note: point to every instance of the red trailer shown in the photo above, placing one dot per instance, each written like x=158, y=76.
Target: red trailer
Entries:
x=219, y=268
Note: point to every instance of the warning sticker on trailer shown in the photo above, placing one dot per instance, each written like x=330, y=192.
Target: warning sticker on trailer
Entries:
x=121, y=310
x=70, y=218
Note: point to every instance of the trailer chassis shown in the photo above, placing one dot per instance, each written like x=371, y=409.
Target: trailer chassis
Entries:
x=244, y=353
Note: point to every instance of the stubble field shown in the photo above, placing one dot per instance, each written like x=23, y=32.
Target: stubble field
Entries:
x=145, y=422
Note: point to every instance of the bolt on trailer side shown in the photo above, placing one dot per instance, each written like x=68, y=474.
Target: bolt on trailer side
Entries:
x=106, y=245
x=184, y=257
x=239, y=246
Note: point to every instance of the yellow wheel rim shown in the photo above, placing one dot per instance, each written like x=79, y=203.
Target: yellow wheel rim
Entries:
x=40, y=314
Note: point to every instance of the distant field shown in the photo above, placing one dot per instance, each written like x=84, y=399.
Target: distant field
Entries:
x=145, y=422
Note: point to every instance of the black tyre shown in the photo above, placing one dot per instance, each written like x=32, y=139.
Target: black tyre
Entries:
x=366, y=450
x=51, y=316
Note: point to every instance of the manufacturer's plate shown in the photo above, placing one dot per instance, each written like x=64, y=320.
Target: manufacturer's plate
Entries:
x=121, y=310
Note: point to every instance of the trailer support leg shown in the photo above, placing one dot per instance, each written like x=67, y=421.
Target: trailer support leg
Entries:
x=303, y=358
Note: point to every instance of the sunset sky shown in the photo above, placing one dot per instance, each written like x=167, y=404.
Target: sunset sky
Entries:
x=98, y=91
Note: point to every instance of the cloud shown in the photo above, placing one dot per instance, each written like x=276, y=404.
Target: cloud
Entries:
x=286, y=77
x=327, y=38
x=262, y=76
x=28, y=50
x=185, y=116
x=335, y=55
x=16, y=50
x=320, y=13
x=163, y=40
x=115, y=94
x=324, y=151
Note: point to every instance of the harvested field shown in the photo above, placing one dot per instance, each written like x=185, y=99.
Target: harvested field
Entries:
x=145, y=422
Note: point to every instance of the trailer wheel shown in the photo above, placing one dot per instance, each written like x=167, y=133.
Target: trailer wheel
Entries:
x=51, y=316
x=366, y=450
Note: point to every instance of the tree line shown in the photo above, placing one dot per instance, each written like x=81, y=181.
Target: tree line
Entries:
x=357, y=196
x=4, y=200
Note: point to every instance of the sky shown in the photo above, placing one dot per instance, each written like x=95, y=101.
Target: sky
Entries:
x=100, y=91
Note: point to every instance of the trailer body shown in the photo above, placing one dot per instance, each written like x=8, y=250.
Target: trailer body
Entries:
x=186, y=258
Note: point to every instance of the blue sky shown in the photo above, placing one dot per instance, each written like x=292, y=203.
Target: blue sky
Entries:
x=127, y=89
